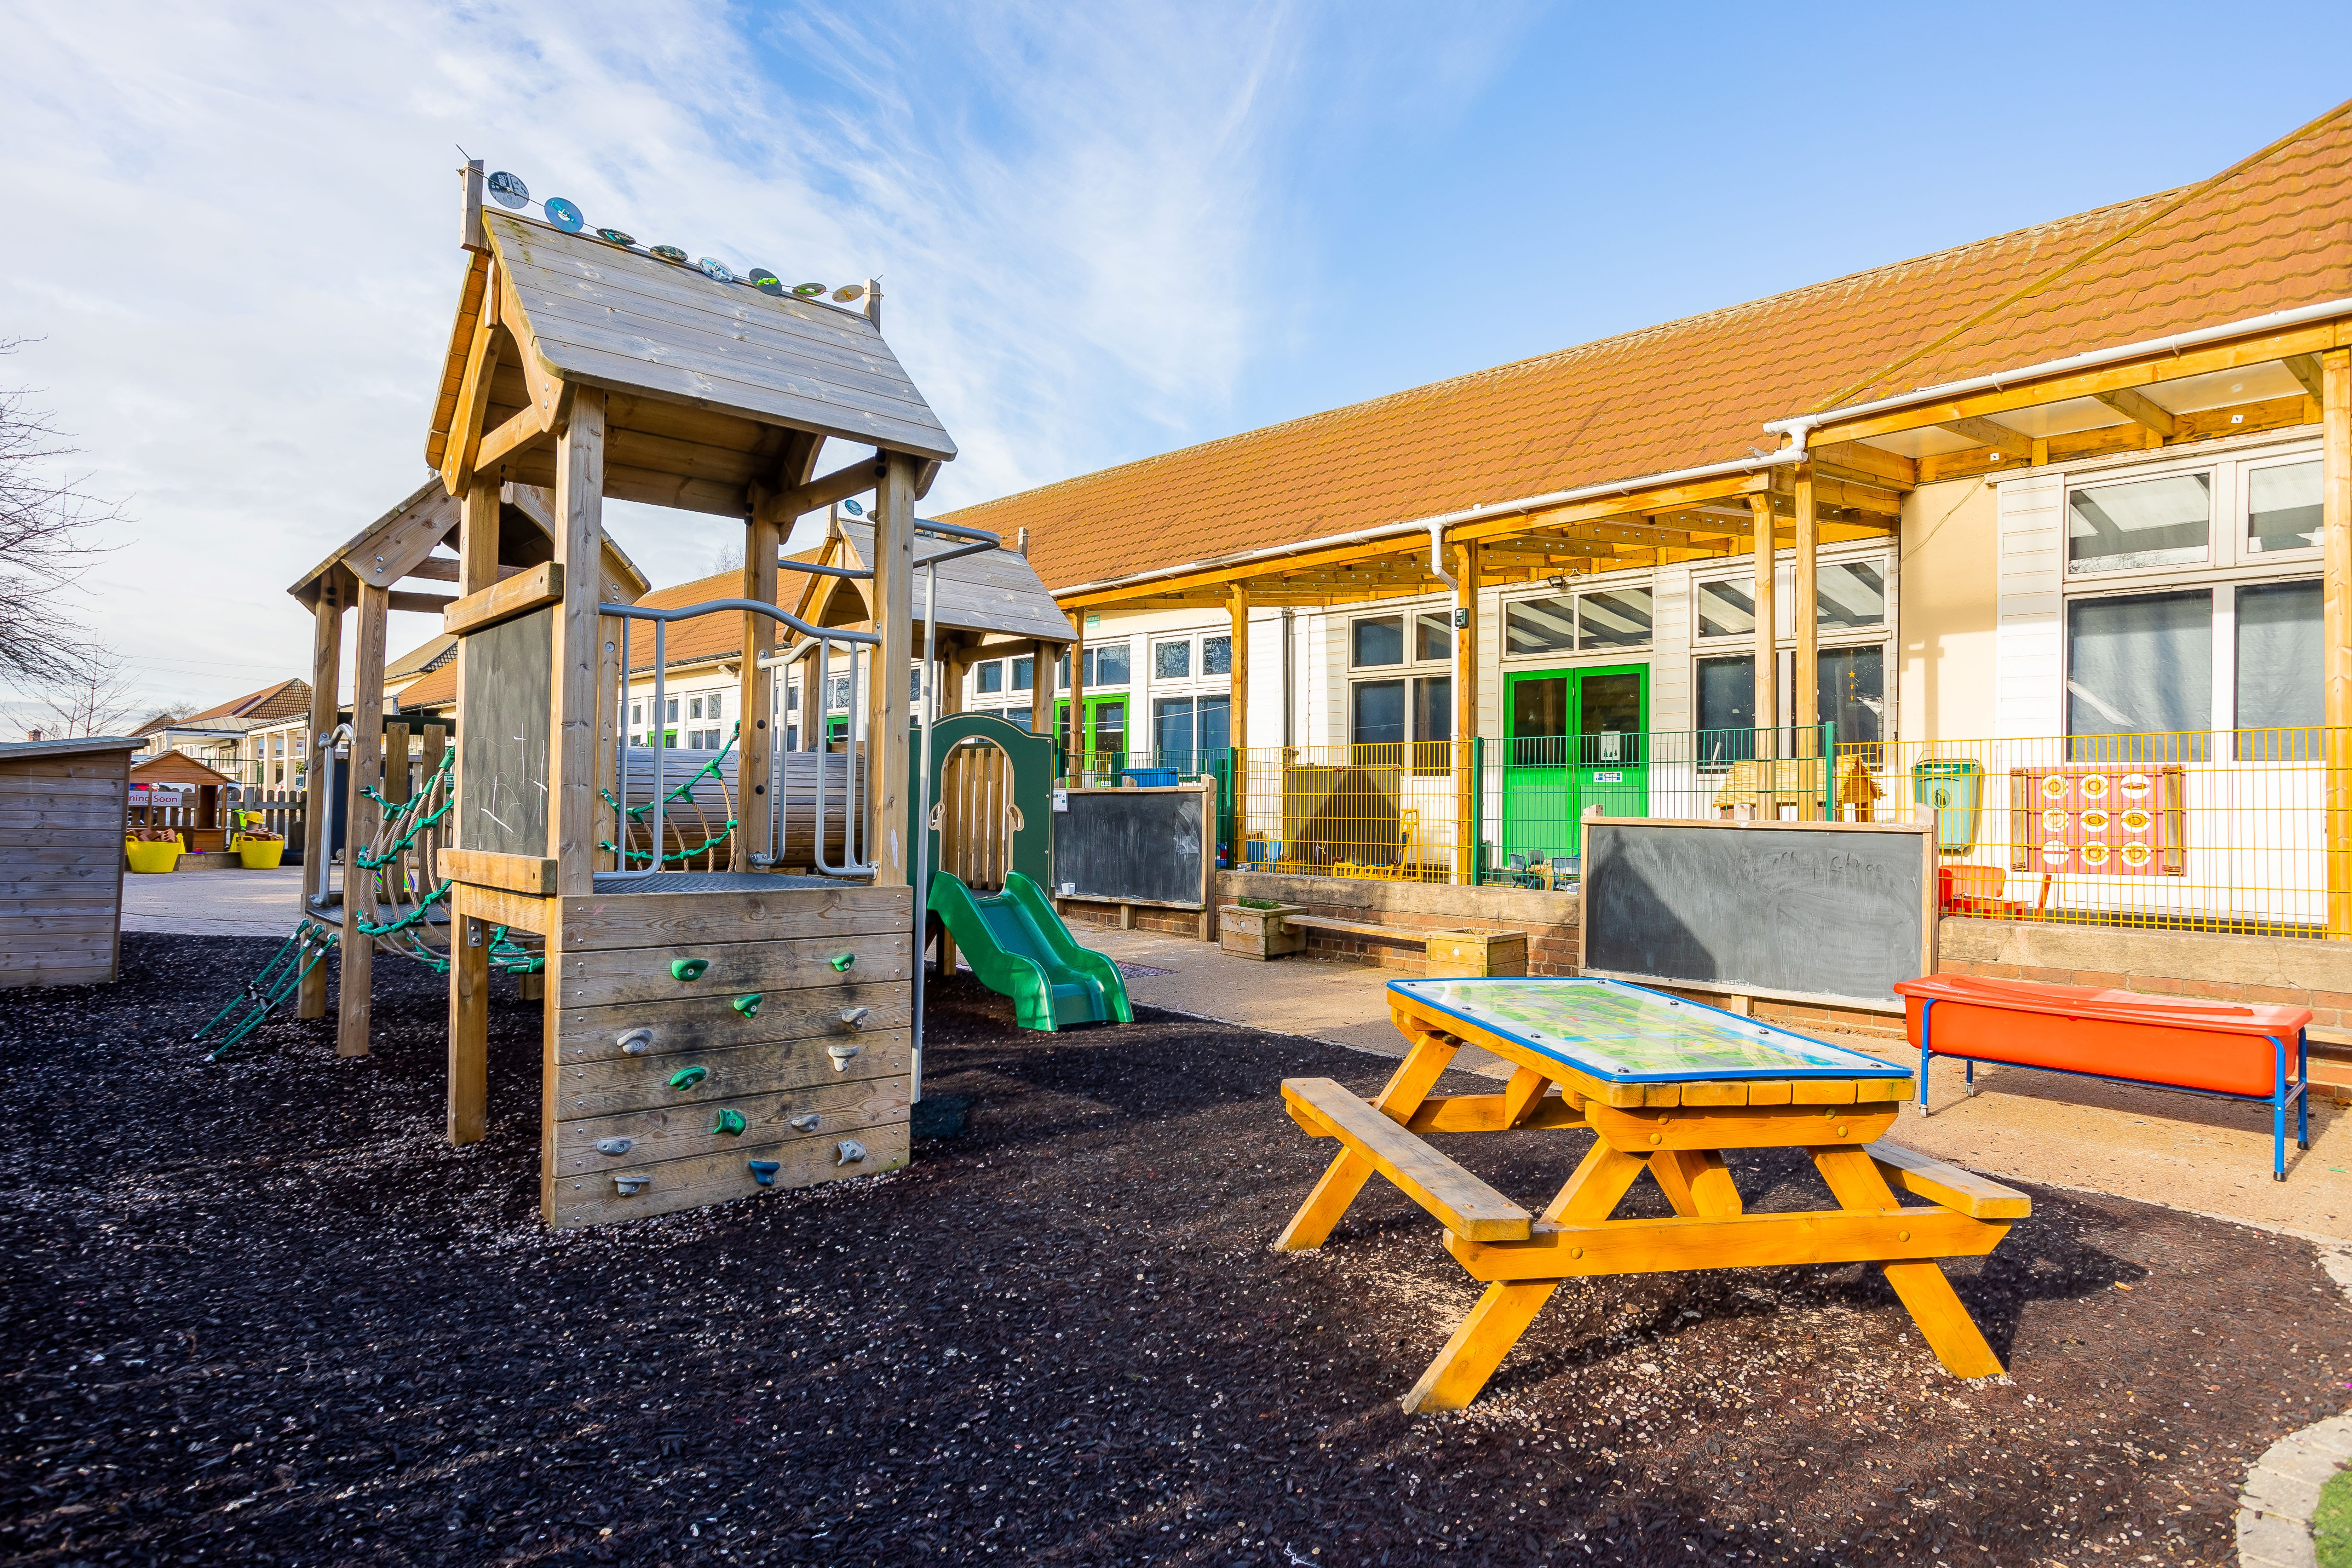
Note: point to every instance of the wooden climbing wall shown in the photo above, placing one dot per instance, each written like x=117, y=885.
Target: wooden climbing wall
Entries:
x=799, y=1077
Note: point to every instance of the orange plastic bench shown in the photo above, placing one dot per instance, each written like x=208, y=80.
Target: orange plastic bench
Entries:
x=2164, y=1042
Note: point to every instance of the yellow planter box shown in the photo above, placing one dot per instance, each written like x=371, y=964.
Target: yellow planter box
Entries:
x=261, y=854
x=159, y=854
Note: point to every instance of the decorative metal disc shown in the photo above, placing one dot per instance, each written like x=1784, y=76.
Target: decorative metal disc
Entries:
x=854, y=292
x=808, y=290
x=564, y=215
x=508, y=190
x=765, y=281
x=670, y=253
x=852, y=508
x=616, y=236
x=715, y=268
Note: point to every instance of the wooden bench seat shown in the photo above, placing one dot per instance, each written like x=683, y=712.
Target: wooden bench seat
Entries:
x=1460, y=1201
x=1978, y=1197
x=1357, y=927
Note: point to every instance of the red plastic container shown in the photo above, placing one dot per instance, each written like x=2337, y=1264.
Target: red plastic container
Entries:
x=2182, y=1043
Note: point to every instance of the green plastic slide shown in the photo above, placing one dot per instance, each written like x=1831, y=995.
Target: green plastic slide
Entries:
x=1018, y=947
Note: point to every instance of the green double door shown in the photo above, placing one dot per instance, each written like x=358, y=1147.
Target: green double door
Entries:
x=1574, y=738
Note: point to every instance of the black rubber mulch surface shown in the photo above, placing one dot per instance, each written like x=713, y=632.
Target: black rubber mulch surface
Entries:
x=260, y=1312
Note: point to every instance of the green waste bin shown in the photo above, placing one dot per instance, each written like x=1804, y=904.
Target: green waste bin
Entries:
x=1952, y=785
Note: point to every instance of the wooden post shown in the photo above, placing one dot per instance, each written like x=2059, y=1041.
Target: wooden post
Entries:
x=955, y=662
x=886, y=757
x=360, y=819
x=1041, y=655
x=1768, y=648
x=812, y=708
x=469, y=1028
x=2335, y=625
x=762, y=541
x=319, y=772
x=1238, y=726
x=571, y=724
x=1078, y=655
x=1465, y=717
x=1806, y=613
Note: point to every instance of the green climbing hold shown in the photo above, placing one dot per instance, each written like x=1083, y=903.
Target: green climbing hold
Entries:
x=687, y=1077
x=748, y=1005
x=687, y=968
x=842, y=961
x=731, y=1122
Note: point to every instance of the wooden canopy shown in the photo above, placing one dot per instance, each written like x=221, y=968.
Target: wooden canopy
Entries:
x=400, y=545
x=995, y=595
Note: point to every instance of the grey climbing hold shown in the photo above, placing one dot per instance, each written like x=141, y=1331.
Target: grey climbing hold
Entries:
x=805, y=1123
x=614, y=1145
x=855, y=1017
x=851, y=1151
x=631, y=1185
x=842, y=1055
x=636, y=1042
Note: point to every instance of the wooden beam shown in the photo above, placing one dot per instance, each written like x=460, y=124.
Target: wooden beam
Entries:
x=2136, y=407
x=532, y=875
x=1856, y=460
x=469, y=1028
x=1989, y=433
x=1767, y=650
x=571, y=719
x=756, y=740
x=788, y=507
x=1468, y=564
x=521, y=430
x=1665, y=498
x=318, y=777
x=420, y=604
x=2306, y=371
x=532, y=589
x=360, y=819
x=2335, y=627
x=458, y=458
x=1041, y=687
x=885, y=723
x=1237, y=719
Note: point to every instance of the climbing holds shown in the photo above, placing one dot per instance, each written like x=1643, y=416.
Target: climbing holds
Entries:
x=855, y=1017
x=636, y=1042
x=850, y=1151
x=687, y=968
x=731, y=1122
x=764, y=1171
x=687, y=1077
x=806, y=1123
x=748, y=1005
x=842, y=961
x=841, y=1056
x=614, y=1145
x=630, y=1186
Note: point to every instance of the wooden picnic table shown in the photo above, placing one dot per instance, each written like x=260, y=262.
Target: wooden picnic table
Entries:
x=1666, y=1086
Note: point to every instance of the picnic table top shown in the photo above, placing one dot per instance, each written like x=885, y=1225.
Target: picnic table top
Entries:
x=1618, y=1033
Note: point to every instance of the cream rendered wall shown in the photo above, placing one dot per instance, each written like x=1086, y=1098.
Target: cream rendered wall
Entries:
x=1947, y=626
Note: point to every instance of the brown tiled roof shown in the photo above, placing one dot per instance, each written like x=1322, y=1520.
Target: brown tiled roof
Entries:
x=702, y=640
x=282, y=700
x=1698, y=391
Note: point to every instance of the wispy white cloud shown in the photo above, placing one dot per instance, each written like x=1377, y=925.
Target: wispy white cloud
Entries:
x=244, y=226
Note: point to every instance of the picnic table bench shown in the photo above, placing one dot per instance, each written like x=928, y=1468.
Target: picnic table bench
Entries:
x=2218, y=1049
x=1666, y=1086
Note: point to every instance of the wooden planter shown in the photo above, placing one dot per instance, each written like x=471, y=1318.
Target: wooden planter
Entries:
x=1457, y=954
x=1260, y=933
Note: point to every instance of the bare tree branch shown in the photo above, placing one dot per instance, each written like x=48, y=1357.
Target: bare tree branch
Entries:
x=101, y=699
x=47, y=526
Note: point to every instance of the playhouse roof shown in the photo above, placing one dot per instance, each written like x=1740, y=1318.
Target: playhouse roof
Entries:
x=996, y=592
x=176, y=767
x=393, y=545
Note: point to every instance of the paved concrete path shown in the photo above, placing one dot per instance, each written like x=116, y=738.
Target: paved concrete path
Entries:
x=215, y=903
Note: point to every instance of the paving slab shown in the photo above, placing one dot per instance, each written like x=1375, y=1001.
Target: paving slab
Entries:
x=215, y=903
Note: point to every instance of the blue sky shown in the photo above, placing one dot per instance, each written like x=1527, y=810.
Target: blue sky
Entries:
x=1104, y=231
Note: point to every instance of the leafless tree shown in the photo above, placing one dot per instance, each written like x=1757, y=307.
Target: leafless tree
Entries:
x=98, y=699
x=47, y=528
x=726, y=558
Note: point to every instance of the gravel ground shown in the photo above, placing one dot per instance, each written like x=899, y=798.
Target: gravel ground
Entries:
x=258, y=1311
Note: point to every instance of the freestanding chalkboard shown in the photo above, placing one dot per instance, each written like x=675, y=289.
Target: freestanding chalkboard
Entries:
x=1834, y=911
x=1136, y=846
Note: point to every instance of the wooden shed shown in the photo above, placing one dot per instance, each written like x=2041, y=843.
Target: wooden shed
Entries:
x=203, y=827
x=61, y=806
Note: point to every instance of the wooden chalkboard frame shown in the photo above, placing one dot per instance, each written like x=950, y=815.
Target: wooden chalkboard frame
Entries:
x=1206, y=788
x=1928, y=861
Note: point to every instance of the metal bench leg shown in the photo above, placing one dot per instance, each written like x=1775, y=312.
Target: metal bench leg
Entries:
x=2278, y=1115
x=1926, y=1050
x=2303, y=1092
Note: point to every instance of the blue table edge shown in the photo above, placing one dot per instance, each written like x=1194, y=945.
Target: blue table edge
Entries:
x=1865, y=1065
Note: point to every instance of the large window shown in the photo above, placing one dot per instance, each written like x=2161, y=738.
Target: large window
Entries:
x=1417, y=710
x=1104, y=667
x=1848, y=596
x=2280, y=679
x=1727, y=711
x=1186, y=730
x=1851, y=686
x=1172, y=660
x=2139, y=663
x=1725, y=610
x=1376, y=640
x=2163, y=522
x=1604, y=618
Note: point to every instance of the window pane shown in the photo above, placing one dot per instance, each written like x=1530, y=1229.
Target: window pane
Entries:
x=671, y=717
x=715, y=707
x=1111, y=726
x=1727, y=710
x=1217, y=656
x=1062, y=673
x=1172, y=729
x=1849, y=595
x=2141, y=663
x=991, y=675
x=1024, y=672
x=1172, y=660
x=1017, y=717
x=1617, y=618
x=2282, y=507
x=839, y=704
x=1433, y=708
x=1210, y=731
x=1540, y=722
x=2148, y=523
x=2281, y=663
x=1725, y=610
x=1539, y=626
x=1376, y=712
x=1111, y=667
x=915, y=684
x=694, y=707
x=1376, y=642
x=1433, y=637
x=1852, y=691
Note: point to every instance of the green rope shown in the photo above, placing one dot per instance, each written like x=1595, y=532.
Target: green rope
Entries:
x=713, y=842
x=405, y=809
x=708, y=769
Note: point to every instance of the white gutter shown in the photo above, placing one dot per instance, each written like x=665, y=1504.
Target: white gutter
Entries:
x=1801, y=426
x=1434, y=526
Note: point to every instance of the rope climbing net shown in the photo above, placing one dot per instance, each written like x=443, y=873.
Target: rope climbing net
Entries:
x=680, y=824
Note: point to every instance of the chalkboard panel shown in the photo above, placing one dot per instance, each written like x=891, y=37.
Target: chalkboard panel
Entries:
x=502, y=739
x=1139, y=844
x=1805, y=910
